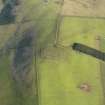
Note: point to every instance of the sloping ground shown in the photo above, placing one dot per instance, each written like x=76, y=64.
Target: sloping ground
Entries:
x=90, y=8
x=64, y=72
x=56, y=75
x=42, y=17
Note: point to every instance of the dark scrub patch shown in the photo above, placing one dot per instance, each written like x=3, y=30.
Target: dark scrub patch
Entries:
x=4, y=1
x=23, y=57
x=15, y=2
x=11, y=2
x=89, y=51
x=6, y=15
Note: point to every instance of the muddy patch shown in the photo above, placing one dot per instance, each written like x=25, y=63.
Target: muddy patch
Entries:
x=85, y=87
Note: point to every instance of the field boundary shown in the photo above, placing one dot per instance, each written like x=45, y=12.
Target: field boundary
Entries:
x=58, y=23
x=88, y=17
x=36, y=55
x=61, y=17
x=102, y=72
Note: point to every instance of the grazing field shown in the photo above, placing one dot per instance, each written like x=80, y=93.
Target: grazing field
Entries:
x=37, y=63
x=82, y=30
x=91, y=8
x=41, y=18
x=6, y=89
x=69, y=77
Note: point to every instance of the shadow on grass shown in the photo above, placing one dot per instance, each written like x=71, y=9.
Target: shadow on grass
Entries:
x=89, y=51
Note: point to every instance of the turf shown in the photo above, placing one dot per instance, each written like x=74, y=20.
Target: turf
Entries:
x=62, y=70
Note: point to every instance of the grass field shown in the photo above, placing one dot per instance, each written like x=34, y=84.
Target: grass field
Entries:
x=40, y=16
x=56, y=72
x=62, y=70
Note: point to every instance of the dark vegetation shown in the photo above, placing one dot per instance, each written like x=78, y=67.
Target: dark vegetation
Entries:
x=8, y=14
x=22, y=67
x=12, y=2
x=89, y=51
x=20, y=45
x=23, y=56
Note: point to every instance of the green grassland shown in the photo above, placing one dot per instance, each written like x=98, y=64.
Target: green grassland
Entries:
x=62, y=70
x=55, y=75
x=42, y=17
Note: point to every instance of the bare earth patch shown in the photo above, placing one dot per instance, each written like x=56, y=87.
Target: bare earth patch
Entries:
x=95, y=8
x=85, y=87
